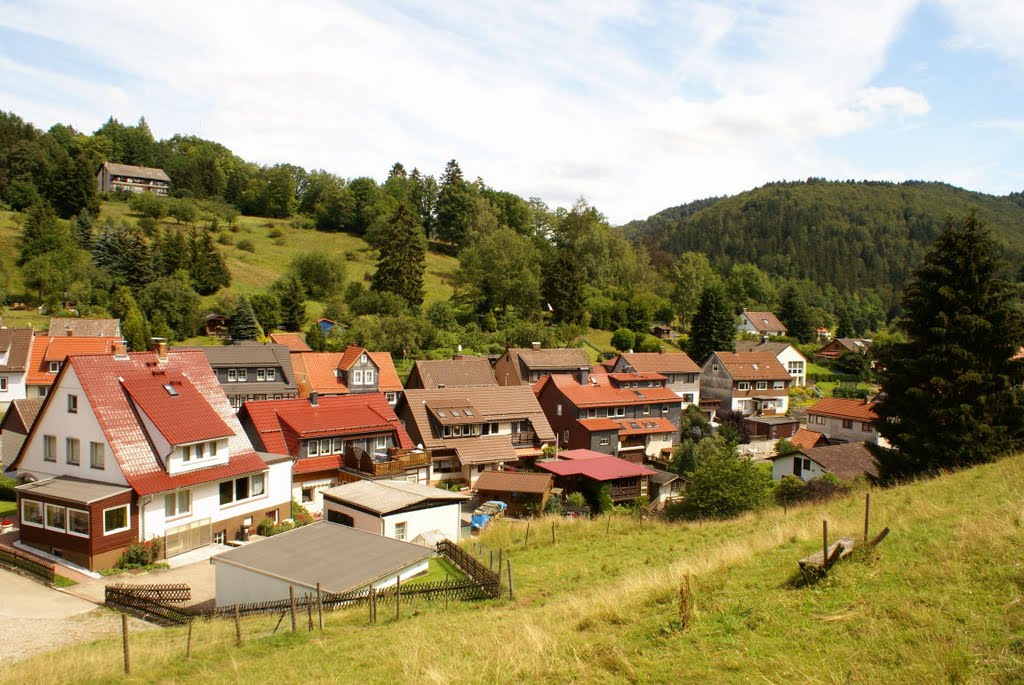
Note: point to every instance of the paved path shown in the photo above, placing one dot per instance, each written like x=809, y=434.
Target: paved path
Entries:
x=198, y=576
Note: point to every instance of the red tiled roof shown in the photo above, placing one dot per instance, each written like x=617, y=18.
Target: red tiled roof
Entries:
x=841, y=408
x=638, y=376
x=101, y=379
x=753, y=366
x=596, y=466
x=806, y=438
x=765, y=321
x=293, y=341
x=316, y=371
x=329, y=462
x=350, y=356
x=600, y=393
x=599, y=425
x=176, y=408
x=47, y=349
x=282, y=424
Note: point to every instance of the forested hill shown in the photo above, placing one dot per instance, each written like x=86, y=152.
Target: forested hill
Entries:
x=853, y=235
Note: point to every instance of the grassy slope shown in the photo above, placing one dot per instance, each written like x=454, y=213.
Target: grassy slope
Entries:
x=940, y=601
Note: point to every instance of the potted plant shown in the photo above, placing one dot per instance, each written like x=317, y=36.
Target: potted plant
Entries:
x=6, y=526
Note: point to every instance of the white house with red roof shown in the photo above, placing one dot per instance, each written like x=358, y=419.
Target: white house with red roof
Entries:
x=334, y=440
x=131, y=447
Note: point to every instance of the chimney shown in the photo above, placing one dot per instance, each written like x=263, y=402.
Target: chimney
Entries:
x=120, y=349
x=457, y=357
x=584, y=372
x=67, y=330
x=764, y=339
x=661, y=350
x=314, y=397
x=535, y=346
x=159, y=345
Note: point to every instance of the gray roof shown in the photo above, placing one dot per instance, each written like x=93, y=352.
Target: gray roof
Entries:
x=338, y=557
x=21, y=414
x=271, y=458
x=17, y=343
x=384, y=497
x=775, y=348
x=455, y=373
x=551, y=359
x=88, y=328
x=146, y=172
x=71, y=489
x=664, y=477
x=249, y=354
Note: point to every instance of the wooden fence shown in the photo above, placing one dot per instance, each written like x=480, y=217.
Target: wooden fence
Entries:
x=20, y=562
x=153, y=602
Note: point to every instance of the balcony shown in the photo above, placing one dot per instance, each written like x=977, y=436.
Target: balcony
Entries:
x=624, y=492
x=394, y=462
x=523, y=438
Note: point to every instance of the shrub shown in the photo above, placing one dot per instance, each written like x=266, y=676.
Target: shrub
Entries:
x=553, y=506
x=266, y=527
x=724, y=485
x=247, y=245
x=576, y=499
x=7, y=489
x=275, y=232
x=623, y=339
x=300, y=514
x=225, y=239
x=140, y=554
x=789, y=491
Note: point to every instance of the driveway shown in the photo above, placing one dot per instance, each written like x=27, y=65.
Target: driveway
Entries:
x=198, y=576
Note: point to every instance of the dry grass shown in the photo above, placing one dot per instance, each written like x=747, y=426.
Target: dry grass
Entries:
x=939, y=601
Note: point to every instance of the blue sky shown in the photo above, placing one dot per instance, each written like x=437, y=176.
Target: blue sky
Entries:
x=635, y=106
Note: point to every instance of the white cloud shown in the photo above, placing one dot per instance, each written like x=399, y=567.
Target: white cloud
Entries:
x=989, y=25
x=636, y=107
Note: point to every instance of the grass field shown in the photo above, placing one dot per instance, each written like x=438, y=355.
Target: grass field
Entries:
x=7, y=508
x=940, y=600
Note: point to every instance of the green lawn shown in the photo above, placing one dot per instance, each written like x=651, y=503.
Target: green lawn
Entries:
x=439, y=570
x=8, y=508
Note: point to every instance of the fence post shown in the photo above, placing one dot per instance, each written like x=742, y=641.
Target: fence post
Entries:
x=238, y=627
x=291, y=600
x=309, y=611
x=124, y=642
x=511, y=588
x=320, y=606
x=608, y=524
x=188, y=645
x=373, y=604
x=490, y=563
x=867, y=514
x=499, y=561
x=552, y=532
x=398, y=597
x=446, y=591
x=527, y=534
x=824, y=545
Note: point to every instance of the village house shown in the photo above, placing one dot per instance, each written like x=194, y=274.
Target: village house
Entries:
x=458, y=372
x=840, y=346
x=526, y=493
x=760, y=323
x=84, y=328
x=586, y=471
x=682, y=375
x=354, y=371
x=113, y=177
x=525, y=366
x=128, y=448
x=325, y=556
x=665, y=487
x=250, y=370
x=470, y=430
x=753, y=383
x=397, y=509
x=334, y=440
x=49, y=353
x=846, y=462
x=631, y=415
x=15, y=362
x=790, y=357
x=842, y=420
x=807, y=438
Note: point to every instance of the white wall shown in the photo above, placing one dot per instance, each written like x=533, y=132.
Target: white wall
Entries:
x=445, y=518
x=360, y=519
x=15, y=388
x=791, y=354
x=56, y=421
x=783, y=466
x=236, y=585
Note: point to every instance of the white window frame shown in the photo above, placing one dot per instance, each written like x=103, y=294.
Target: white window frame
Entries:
x=391, y=397
x=604, y=441
x=446, y=431
x=368, y=377
x=178, y=511
x=779, y=385
x=665, y=408
x=743, y=386
x=646, y=409
x=261, y=374
x=382, y=442
x=3, y=383
x=50, y=448
x=338, y=445
x=357, y=377
x=68, y=442
x=127, y=518
x=54, y=367
x=232, y=376
x=325, y=445
x=46, y=516
x=72, y=404
x=312, y=448
x=42, y=513
x=619, y=412
x=88, y=522
x=260, y=477
x=93, y=451
x=403, y=527
x=243, y=375
x=592, y=413
x=761, y=385
x=272, y=376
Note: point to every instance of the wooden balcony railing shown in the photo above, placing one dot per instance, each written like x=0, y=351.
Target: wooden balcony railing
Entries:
x=398, y=461
x=524, y=438
x=619, y=492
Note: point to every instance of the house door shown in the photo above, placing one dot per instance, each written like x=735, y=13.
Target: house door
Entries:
x=798, y=467
x=189, y=536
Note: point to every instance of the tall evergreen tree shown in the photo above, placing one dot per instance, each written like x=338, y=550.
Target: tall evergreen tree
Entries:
x=402, y=257
x=455, y=206
x=796, y=314
x=953, y=393
x=293, y=304
x=714, y=325
x=207, y=267
x=244, y=325
x=81, y=228
x=315, y=337
x=133, y=324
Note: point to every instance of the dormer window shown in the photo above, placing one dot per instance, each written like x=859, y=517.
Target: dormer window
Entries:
x=54, y=367
x=261, y=374
x=362, y=359
x=368, y=377
x=271, y=375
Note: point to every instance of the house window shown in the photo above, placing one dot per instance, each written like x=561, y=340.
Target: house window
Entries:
x=368, y=377
x=743, y=385
x=220, y=537
x=78, y=522
x=714, y=367
x=115, y=519
x=447, y=431
x=3, y=383
x=362, y=359
x=664, y=408
x=400, y=530
x=646, y=409
x=242, y=488
x=807, y=464
x=457, y=431
x=688, y=398
x=796, y=368
x=325, y=446
x=72, y=404
x=96, y=455
x=761, y=385
x=72, y=449
x=558, y=409
x=271, y=374
x=261, y=375
x=864, y=426
x=243, y=374
x=43, y=390
x=55, y=518
x=232, y=375
x=779, y=385
x=54, y=367
x=592, y=413
x=312, y=448
x=49, y=448
x=31, y=513
x=382, y=442
x=391, y=397
x=357, y=377
x=847, y=423
x=604, y=441
x=619, y=411
x=338, y=445
x=177, y=503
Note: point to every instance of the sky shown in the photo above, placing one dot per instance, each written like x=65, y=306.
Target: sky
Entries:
x=635, y=106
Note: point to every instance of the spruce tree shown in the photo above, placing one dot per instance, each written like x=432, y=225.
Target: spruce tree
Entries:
x=402, y=257
x=81, y=227
x=714, y=325
x=293, y=304
x=315, y=338
x=455, y=206
x=953, y=394
x=244, y=325
x=796, y=314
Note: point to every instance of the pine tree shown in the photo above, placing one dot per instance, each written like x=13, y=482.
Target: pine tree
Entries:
x=796, y=315
x=134, y=328
x=402, y=257
x=953, y=393
x=315, y=337
x=293, y=304
x=81, y=227
x=455, y=206
x=207, y=267
x=714, y=325
x=244, y=325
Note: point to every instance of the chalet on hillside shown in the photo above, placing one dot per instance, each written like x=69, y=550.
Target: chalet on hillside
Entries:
x=525, y=492
x=760, y=323
x=250, y=370
x=790, y=357
x=840, y=346
x=113, y=177
x=131, y=447
x=525, y=366
x=846, y=462
x=753, y=383
x=15, y=364
x=682, y=375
